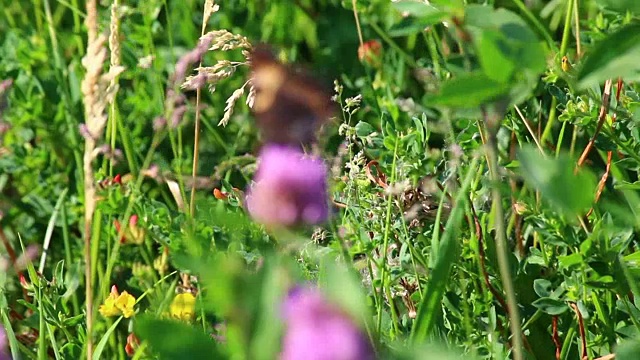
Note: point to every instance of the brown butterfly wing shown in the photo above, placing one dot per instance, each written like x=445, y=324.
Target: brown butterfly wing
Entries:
x=290, y=106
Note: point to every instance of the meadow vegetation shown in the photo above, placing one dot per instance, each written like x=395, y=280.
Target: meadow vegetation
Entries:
x=407, y=179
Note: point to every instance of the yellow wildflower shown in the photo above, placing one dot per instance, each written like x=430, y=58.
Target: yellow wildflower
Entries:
x=108, y=308
x=117, y=304
x=160, y=263
x=125, y=303
x=566, y=65
x=183, y=306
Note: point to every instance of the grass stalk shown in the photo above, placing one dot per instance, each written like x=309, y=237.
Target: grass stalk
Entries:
x=532, y=18
x=502, y=248
x=563, y=50
x=384, y=287
x=91, y=22
x=209, y=8
x=61, y=78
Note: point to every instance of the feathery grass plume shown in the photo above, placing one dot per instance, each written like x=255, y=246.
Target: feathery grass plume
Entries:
x=192, y=57
x=209, y=8
x=211, y=75
x=225, y=41
x=89, y=97
x=114, y=42
x=175, y=106
x=231, y=102
x=114, y=32
x=96, y=94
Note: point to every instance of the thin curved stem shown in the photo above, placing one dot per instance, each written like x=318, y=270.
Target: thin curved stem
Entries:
x=501, y=240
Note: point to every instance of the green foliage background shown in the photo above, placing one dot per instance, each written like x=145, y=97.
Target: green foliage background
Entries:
x=469, y=95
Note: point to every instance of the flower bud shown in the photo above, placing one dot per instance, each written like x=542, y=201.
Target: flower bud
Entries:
x=290, y=189
x=370, y=53
x=312, y=321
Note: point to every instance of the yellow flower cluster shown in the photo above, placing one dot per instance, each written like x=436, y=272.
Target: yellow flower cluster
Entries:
x=183, y=306
x=118, y=304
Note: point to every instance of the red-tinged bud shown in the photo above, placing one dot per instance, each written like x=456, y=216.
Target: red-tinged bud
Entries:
x=136, y=233
x=133, y=233
x=128, y=348
x=118, y=227
x=24, y=283
x=114, y=290
x=219, y=194
x=132, y=344
x=370, y=53
x=117, y=179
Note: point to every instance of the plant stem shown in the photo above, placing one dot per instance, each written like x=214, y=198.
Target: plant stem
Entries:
x=563, y=49
x=541, y=28
x=355, y=16
x=407, y=58
x=576, y=17
x=501, y=241
x=196, y=135
x=91, y=22
x=383, y=271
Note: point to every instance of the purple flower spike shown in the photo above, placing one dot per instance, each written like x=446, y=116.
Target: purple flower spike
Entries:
x=290, y=189
x=4, y=355
x=317, y=330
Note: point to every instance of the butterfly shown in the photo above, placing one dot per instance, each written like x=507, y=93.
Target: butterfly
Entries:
x=290, y=105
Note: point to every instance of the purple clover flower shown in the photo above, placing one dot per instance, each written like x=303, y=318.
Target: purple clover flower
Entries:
x=318, y=330
x=289, y=189
x=4, y=355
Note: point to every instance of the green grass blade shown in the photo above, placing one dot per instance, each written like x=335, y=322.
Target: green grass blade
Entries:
x=103, y=341
x=447, y=255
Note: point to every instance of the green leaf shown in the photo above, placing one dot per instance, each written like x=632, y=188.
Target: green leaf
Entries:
x=344, y=288
x=504, y=42
x=557, y=93
x=103, y=341
x=542, y=287
x=11, y=336
x=627, y=185
x=469, y=90
x=556, y=181
x=416, y=17
x=414, y=8
x=496, y=63
x=172, y=339
x=413, y=25
x=268, y=325
x=420, y=8
x=628, y=350
x=633, y=259
x=615, y=56
x=364, y=129
x=621, y=5
x=569, y=261
x=551, y=306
